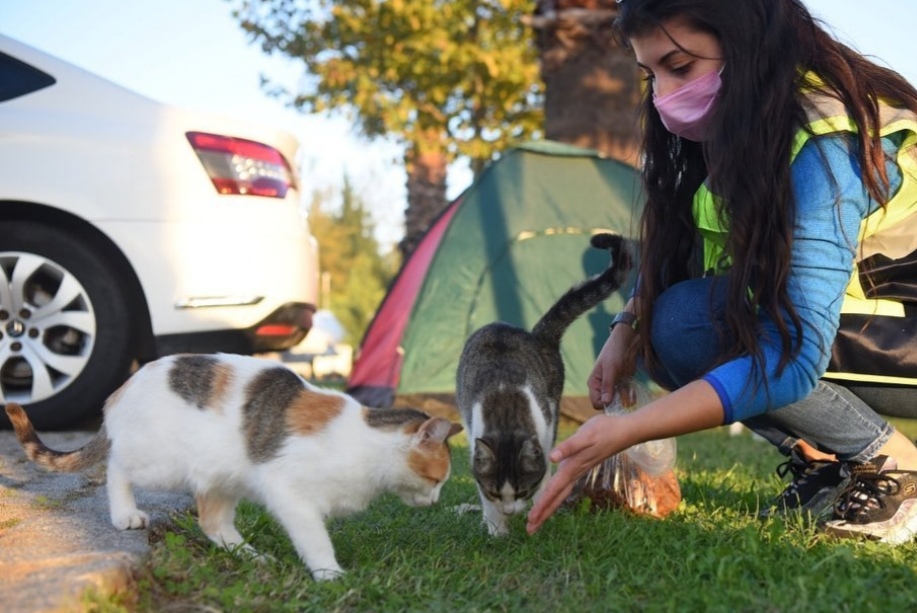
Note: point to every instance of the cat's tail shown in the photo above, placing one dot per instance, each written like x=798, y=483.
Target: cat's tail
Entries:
x=88, y=455
x=585, y=295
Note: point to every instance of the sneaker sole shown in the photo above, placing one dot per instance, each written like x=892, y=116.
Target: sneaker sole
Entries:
x=900, y=529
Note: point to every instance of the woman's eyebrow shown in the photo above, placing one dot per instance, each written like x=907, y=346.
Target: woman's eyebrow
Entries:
x=661, y=60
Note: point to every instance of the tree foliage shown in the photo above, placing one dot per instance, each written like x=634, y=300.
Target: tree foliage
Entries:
x=458, y=77
x=350, y=255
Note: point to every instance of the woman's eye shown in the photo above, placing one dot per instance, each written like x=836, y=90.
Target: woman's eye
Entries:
x=681, y=70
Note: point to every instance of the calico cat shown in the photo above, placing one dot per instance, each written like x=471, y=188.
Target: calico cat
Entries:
x=228, y=427
x=508, y=390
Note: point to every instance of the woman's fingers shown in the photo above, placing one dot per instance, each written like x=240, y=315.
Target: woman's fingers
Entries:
x=557, y=491
x=576, y=455
x=601, y=385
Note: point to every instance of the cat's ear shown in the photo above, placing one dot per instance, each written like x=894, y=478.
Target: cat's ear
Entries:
x=531, y=456
x=532, y=447
x=454, y=429
x=484, y=457
x=436, y=430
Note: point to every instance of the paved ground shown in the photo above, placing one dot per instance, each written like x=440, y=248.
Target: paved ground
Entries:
x=56, y=540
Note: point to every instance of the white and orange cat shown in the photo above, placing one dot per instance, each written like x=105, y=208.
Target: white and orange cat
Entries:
x=228, y=427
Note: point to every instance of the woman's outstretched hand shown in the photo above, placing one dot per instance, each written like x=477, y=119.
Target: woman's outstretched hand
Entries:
x=597, y=439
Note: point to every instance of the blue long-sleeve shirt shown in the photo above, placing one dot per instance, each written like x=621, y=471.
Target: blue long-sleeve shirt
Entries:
x=831, y=203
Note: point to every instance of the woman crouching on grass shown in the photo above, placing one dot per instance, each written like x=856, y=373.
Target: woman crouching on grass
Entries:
x=788, y=160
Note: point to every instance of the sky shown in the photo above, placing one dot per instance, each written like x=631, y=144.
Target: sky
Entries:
x=193, y=54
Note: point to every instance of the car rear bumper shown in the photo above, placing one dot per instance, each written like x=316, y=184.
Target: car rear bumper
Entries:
x=284, y=328
x=226, y=274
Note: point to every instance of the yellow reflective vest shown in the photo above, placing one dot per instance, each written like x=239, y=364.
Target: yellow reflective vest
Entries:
x=877, y=338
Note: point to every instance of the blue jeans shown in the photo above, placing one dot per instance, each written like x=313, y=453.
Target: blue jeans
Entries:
x=688, y=335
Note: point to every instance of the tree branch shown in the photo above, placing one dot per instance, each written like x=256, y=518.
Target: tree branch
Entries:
x=587, y=17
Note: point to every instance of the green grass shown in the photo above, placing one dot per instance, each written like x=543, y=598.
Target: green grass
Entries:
x=712, y=554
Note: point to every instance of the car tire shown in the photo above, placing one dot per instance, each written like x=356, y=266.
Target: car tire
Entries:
x=65, y=325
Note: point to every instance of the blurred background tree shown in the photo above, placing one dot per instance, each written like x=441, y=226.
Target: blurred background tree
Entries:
x=447, y=78
x=358, y=275
x=592, y=84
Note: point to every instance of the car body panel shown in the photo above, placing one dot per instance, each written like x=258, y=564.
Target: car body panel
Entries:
x=122, y=162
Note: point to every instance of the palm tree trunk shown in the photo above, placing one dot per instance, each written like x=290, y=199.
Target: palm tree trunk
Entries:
x=426, y=187
x=592, y=85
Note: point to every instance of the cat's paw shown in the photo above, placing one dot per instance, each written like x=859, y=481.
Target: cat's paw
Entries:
x=496, y=521
x=327, y=574
x=131, y=520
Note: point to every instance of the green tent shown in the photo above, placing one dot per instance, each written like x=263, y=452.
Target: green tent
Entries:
x=505, y=250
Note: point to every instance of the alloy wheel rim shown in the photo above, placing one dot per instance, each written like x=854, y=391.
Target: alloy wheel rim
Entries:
x=47, y=327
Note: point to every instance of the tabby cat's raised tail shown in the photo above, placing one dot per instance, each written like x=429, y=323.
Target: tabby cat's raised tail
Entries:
x=587, y=294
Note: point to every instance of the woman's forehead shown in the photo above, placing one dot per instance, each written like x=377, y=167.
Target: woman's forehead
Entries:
x=674, y=36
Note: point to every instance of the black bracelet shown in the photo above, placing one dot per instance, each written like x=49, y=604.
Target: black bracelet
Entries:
x=626, y=318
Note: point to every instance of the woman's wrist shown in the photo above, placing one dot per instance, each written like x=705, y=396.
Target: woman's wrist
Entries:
x=626, y=318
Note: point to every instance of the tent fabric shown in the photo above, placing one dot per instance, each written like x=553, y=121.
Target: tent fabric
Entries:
x=375, y=374
x=505, y=250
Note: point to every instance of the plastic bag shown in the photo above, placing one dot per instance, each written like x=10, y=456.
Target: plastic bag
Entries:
x=640, y=478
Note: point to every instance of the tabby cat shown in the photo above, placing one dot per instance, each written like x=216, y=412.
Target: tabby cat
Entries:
x=228, y=427
x=508, y=390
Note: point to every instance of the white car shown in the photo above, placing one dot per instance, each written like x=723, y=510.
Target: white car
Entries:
x=131, y=229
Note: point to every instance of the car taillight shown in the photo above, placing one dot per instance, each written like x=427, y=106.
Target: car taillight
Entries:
x=244, y=167
x=275, y=330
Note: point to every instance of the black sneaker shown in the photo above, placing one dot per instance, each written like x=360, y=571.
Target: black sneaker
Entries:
x=880, y=503
x=813, y=490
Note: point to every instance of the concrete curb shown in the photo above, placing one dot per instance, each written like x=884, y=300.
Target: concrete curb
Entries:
x=57, y=544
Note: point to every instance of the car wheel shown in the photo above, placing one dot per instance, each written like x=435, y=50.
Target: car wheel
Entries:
x=65, y=335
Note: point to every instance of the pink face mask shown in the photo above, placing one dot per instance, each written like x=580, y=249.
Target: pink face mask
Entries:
x=686, y=111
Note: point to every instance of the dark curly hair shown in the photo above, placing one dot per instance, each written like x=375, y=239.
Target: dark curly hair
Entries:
x=768, y=48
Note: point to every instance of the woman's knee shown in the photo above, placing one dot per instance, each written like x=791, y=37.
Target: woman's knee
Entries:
x=683, y=331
